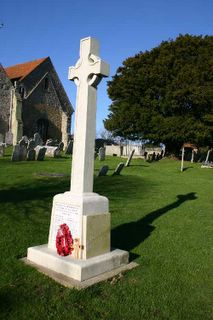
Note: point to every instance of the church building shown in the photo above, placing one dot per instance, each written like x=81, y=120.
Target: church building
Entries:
x=32, y=99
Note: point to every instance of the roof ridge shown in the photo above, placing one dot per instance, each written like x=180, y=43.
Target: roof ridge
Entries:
x=31, y=61
x=21, y=70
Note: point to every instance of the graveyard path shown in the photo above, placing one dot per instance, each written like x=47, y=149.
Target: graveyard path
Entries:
x=129, y=235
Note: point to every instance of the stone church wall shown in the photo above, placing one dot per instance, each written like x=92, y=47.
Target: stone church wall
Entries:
x=44, y=99
x=42, y=104
x=5, y=101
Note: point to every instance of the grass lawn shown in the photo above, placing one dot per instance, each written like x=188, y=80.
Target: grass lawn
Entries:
x=162, y=216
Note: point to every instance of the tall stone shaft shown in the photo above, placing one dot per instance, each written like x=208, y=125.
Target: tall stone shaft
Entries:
x=87, y=73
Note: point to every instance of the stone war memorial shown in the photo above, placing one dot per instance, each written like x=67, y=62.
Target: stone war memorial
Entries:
x=79, y=249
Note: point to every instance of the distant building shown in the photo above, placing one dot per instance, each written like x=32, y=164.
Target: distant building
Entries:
x=32, y=99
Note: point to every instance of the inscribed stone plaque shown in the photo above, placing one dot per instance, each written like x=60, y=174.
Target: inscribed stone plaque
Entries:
x=69, y=214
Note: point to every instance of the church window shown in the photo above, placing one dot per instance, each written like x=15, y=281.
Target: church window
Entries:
x=22, y=92
x=46, y=83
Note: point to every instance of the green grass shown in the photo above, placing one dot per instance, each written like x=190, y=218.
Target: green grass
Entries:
x=162, y=216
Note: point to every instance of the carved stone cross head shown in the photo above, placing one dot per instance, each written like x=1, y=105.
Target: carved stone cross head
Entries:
x=89, y=68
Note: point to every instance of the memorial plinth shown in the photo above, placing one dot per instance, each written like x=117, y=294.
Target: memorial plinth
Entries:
x=88, y=218
x=83, y=214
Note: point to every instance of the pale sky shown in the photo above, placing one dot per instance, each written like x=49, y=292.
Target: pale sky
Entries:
x=36, y=29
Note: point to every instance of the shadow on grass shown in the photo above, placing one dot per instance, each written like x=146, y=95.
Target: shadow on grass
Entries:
x=36, y=191
x=122, y=187
x=138, y=165
x=187, y=168
x=129, y=235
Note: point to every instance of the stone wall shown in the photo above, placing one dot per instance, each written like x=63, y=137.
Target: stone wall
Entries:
x=42, y=105
x=5, y=101
x=125, y=150
x=113, y=149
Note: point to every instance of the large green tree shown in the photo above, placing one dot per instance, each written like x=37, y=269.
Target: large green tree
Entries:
x=166, y=94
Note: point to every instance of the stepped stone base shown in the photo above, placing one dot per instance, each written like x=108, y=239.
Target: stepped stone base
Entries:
x=79, y=270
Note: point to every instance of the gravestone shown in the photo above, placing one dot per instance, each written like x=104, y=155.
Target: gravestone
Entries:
x=207, y=156
x=52, y=152
x=101, y=153
x=158, y=157
x=37, y=138
x=103, y=171
x=193, y=155
x=22, y=152
x=49, y=142
x=1, y=138
x=81, y=216
x=69, y=148
x=118, y=169
x=23, y=142
x=16, y=153
x=130, y=158
x=153, y=156
x=31, y=155
x=31, y=144
x=61, y=146
x=25, y=138
x=182, y=160
x=2, y=150
x=41, y=154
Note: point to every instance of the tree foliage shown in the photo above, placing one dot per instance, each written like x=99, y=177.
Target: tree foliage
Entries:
x=166, y=94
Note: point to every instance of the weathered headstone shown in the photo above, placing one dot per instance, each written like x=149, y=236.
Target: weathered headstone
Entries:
x=1, y=138
x=149, y=157
x=182, y=159
x=153, y=156
x=25, y=138
x=101, y=153
x=158, y=157
x=80, y=212
x=52, y=152
x=37, y=138
x=2, y=150
x=16, y=153
x=22, y=152
x=31, y=144
x=130, y=158
x=61, y=146
x=41, y=154
x=193, y=155
x=207, y=156
x=103, y=171
x=49, y=142
x=69, y=148
x=31, y=155
x=23, y=142
x=119, y=168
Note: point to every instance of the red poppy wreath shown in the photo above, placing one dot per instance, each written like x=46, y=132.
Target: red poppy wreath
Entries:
x=64, y=240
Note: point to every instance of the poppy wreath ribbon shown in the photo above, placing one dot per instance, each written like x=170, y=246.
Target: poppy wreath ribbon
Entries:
x=64, y=240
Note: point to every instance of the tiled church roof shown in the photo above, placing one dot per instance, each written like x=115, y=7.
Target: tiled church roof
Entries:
x=20, y=71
